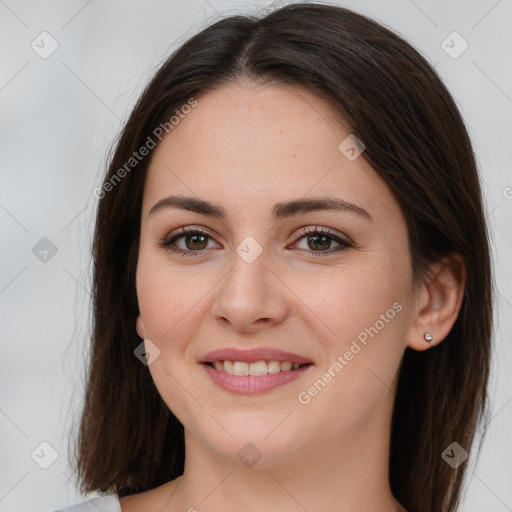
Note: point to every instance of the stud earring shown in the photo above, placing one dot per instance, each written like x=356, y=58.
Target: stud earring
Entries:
x=428, y=337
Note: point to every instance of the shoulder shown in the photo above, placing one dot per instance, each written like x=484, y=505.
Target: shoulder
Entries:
x=154, y=499
x=103, y=503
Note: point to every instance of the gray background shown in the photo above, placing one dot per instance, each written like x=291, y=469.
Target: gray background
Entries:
x=58, y=117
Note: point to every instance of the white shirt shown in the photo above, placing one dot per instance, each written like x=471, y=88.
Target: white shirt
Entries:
x=104, y=503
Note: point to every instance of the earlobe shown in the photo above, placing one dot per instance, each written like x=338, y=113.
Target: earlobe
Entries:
x=439, y=305
x=139, y=326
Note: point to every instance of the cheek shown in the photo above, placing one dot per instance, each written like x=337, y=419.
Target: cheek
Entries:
x=350, y=299
x=368, y=317
x=168, y=295
x=363, y=309
x=169, y=303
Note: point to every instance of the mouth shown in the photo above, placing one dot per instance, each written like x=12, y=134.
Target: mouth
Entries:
x=255, y=369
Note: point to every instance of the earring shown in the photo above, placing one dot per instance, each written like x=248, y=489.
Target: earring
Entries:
x=428, y=337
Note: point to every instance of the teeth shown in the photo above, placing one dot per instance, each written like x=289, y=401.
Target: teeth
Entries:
x=240, y=368
x=258, y=368
x=272, y=366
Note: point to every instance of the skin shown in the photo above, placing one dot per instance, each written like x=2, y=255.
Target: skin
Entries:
x=246, y=147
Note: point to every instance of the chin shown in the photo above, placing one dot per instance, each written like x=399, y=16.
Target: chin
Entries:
x=255, y=443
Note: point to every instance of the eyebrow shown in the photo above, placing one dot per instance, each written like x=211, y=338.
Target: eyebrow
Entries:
x=279, y=211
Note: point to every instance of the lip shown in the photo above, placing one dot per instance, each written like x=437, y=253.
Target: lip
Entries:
x=251, y=355
x=251, y=384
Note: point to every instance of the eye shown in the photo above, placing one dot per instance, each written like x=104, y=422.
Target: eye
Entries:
x=319, y=238
x=195, y=241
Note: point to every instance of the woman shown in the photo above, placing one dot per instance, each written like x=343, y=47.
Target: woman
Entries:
x=292, y=283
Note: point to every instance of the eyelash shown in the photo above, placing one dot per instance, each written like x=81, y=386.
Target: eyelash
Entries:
x=169, y=240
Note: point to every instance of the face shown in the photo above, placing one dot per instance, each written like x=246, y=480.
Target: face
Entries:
x=329, y=286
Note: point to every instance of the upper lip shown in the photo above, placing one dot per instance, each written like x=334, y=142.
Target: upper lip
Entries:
x=251, y=355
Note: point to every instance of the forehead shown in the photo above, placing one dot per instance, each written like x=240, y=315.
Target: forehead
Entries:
x=249, y=144
x=237, y=120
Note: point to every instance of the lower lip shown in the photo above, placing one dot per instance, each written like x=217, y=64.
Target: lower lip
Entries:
x=253, y=384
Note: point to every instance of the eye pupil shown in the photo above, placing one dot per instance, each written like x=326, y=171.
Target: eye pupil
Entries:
x=314, y=239
x=203, y=243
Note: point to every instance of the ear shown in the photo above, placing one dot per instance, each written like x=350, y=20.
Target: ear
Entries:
x=139, y=326
x=438, y=302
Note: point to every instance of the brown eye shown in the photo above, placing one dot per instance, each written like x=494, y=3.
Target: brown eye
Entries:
x=318, y=241
x=195, y=241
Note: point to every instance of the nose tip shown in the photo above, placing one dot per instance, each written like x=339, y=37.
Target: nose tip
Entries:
x=243, y=321
x=246, y=298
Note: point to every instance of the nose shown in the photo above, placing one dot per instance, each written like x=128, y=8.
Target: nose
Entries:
x=251, y=296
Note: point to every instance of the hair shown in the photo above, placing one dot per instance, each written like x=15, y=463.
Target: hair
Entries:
x=415, y=139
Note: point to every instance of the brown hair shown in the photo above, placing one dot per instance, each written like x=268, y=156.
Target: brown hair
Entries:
x=415, y=139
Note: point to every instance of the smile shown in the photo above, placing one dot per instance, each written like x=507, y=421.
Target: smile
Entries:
x=222, y=374
x=258, y=368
